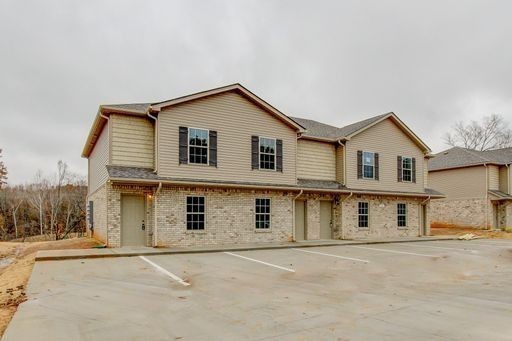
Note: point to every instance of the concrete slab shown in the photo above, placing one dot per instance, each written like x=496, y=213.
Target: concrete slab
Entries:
x=452, y=295
x=147, y=251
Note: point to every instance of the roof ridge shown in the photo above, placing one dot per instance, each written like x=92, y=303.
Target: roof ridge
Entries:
x=472, y=152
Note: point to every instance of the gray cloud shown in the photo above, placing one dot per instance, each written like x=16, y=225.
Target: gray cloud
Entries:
x=432, y=63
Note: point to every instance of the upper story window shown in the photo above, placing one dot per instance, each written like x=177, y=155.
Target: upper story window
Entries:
x=267, y=153
x=406, y=169
x=198, y=146
x=368, y=165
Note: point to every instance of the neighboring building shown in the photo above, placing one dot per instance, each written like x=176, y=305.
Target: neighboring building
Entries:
x=477, y=185
x=223, y=166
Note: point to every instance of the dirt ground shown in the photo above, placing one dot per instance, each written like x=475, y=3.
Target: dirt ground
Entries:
x=16, y=262
x=437, y=230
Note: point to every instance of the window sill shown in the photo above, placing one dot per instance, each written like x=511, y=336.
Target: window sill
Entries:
x=262, y=230
x=402, y=228
x=195, y=232
x=363, y=228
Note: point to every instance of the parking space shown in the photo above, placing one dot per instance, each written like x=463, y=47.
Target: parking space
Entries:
x=435, y=289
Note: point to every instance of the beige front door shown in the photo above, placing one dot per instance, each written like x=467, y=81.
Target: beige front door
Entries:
x=133, y=224
x=300, y=220
x=325, y=220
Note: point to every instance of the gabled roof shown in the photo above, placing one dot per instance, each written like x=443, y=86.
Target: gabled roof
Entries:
x=142, y=109
x=322, y=131
x=458, y=157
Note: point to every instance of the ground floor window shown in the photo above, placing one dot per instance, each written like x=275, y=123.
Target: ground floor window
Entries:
x=195, y=213
x=401, y=210
x=363, y=214
x=262, y=214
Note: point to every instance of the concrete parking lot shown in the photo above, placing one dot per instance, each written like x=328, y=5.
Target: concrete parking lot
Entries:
x=421, y=291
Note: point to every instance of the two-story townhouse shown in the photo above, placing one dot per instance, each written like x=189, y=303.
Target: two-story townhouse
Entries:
x=224, y=166
x=477, y=185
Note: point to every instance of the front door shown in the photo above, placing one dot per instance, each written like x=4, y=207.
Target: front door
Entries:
x=133, y=224
x=325, y=220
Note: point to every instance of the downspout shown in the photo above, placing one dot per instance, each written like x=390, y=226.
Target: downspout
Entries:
x=344, y=154
x=155, y=219
x=293, y=213
x=155, y=137
x=509, y=187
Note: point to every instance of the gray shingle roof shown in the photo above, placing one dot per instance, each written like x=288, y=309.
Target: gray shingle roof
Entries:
x=134, y=173
x=500, y=195
x=142, y=107
x=322, y=130
x=463, y=157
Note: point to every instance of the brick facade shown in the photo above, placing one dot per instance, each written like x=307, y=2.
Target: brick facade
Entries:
x=462, y=212
x=230, y=216
x=382, y=218
x=99, y=199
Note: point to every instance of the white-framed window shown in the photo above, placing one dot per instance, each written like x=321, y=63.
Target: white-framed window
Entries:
x=267, y=153
x=401, y=214
x=363, y=214
x=262, y=209
x=198, y=145
x=406, y=169
x=195, y=213
x=368, y=165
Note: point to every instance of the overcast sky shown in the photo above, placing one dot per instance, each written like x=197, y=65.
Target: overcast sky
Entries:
x=431, y=62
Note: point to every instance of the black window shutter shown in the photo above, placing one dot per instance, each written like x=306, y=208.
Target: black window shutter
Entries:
x=279, y=155
x=213, y=148
x=183, y=145
x=413, y=170
x=376, y=163
x=399, y=168
x=359, y=164
x=255, y=145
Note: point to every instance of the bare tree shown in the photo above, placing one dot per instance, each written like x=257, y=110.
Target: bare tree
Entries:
x=3, y=171
x=15, y=199
x=492, y=133
x=55, y=194
x=36, y=197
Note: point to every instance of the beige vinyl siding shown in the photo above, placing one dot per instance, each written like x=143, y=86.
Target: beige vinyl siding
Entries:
x=387, y=139
x=235, y=119
x=504, y=179
x=460, y=183
x=316, y=160
x=494, y=177
x=132, y=141
x=340, y=155
x=425, y=172
x=98, y=160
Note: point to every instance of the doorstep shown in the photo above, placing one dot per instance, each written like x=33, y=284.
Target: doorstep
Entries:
x=148, y=251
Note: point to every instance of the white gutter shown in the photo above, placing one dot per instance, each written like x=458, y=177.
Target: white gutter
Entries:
x=155, y=148
x=293, y=213
x=155, y=219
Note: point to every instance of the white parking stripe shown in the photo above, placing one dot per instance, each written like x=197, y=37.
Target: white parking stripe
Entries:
x=393, y=251
x=162, y=270
x=331, y=255
x=259, y=261
x=436, y=247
